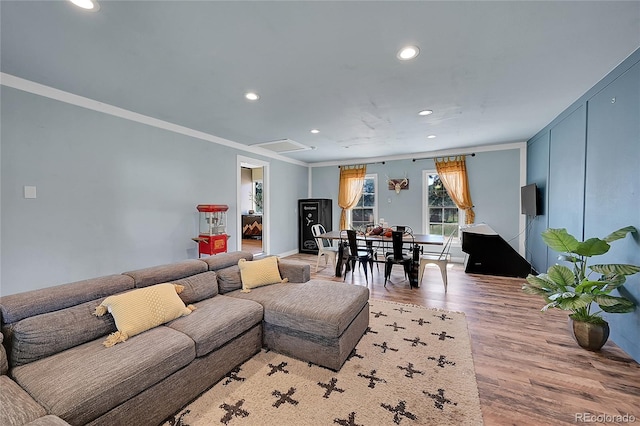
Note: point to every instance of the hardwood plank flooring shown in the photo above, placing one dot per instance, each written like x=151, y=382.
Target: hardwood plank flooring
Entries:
x=529, y=369
x=252, y=245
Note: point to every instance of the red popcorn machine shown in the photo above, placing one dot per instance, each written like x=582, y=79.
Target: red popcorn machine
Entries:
x=213, y=226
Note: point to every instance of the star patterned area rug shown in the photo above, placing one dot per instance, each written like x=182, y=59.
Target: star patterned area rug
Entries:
x=413, y=366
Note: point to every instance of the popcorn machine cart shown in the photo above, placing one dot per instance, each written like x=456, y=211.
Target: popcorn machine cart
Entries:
x=213, y=225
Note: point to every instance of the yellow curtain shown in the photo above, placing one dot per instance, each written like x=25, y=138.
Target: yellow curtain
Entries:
x=453, y=174
x=350, y=189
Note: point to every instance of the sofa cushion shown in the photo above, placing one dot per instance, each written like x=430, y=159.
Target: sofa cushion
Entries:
x=142, y=309
x=257, y=273
x=84, y=382
x=198, y=287
x=43, y=335
x=217, y=321
x=322, y=308
x=224, y=260
x=16, y=406
x=22, y=305
x=229, y=279
x=166, y=273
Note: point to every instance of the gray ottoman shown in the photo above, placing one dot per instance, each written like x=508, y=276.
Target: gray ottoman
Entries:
x=317, y=321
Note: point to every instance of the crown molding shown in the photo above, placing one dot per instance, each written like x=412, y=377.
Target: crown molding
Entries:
x=24, y=85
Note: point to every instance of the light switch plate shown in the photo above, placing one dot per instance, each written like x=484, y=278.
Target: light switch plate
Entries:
x=29, y=192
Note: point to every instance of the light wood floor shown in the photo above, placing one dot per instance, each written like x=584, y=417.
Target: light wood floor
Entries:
x=529, y=369
x=252, y=245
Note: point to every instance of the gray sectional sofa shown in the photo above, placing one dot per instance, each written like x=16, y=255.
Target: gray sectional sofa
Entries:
x=59, y=371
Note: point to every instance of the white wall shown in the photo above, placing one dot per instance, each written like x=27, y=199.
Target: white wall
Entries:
x=246, y=187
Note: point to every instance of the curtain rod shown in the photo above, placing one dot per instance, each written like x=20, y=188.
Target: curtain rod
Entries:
x=375, y=162
x=473, y=154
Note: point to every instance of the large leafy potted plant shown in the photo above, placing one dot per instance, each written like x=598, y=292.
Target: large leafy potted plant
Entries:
x=576, y=290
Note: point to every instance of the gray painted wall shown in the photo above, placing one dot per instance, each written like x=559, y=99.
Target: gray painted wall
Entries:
x=591, y=169
x=494, y=180
x=289, y=183
x=112, y=194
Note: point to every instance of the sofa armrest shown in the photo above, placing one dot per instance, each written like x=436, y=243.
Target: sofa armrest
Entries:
x=18, y=407
x=4, y=365
x=49, y=420
x=294, y=271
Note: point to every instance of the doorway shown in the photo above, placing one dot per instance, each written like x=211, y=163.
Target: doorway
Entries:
x=252, y=205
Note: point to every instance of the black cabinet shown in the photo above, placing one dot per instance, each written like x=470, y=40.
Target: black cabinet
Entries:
x=312, y=211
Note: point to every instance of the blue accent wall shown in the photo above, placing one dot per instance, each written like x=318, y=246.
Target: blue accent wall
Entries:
x=591, y=172
x=537, y=171
x=613, y=187
x=565, y=196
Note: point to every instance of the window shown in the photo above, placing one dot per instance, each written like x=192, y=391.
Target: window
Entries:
x=366, y=211
x=442, y=216
x=257, y=196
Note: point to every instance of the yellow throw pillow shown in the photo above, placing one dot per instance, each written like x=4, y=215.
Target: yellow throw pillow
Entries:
x=142, y=309
x=257, y=273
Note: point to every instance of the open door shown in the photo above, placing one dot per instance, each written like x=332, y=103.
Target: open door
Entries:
x=252, y=205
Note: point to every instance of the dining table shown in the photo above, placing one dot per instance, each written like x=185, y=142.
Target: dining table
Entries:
x=421, y=239
x=416, y=240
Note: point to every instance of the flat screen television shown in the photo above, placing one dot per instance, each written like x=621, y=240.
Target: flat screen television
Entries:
x=529, y=200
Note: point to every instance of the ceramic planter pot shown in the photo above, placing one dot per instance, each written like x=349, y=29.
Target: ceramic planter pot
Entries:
x=588, y=335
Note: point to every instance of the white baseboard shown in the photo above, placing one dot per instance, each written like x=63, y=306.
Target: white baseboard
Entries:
x=288, y=253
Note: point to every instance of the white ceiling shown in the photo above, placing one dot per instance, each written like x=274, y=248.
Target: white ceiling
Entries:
x=492, y=72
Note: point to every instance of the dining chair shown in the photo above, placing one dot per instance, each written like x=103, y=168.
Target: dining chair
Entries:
x=398, y=256
x=387, y=247
x=441, y=259
x=361, y=254
x=325, y=247
x=403, y=228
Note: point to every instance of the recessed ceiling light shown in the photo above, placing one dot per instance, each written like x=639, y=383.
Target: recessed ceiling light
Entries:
x=252, y=96
x=315, y=131
x=90, y=5
x=408, y=52
x=431, y=136
x=425, y=112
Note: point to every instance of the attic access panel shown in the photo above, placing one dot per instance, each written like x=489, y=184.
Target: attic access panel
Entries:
x=283, y=146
